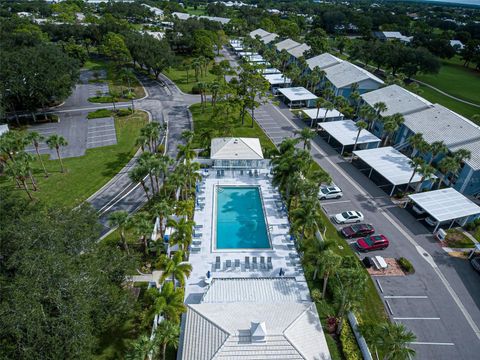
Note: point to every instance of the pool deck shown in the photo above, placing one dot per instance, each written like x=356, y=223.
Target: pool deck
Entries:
x=203, y=254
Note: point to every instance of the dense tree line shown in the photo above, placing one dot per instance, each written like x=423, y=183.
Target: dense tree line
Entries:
x=61, y=289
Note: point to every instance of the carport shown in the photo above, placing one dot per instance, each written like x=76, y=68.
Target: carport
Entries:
x=388, y=164
x=342, y=135
x=323, y=114
x=256, y=58
x=269, y=71
x=298, y=97
x=447, y=205
x=276, y=81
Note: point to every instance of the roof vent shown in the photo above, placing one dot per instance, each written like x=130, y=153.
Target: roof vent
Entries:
x=258, y=331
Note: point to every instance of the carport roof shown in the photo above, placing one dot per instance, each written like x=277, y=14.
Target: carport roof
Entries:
x=445, y=204
x=390, y=163
x=345, y=132
x=312, y=113
x=297, y=94
x=277, y=79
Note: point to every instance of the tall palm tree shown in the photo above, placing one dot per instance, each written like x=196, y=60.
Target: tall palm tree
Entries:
x=416, y=141
x=182, y=235
x=355, y=97
x=36, y=138
x=379, y=107
x=167, y=302
x=318, y=103
x=137, y=175
x=416, y=164
x=27, y=159
x=436, y=148
x=462, y=155
x=167, y=334
x=306, y=135
x=394, y=340
x=361, y=125
x=367, y=114
x=306, y=217
x=120, y=219
x=55, y=142
x=328, y=106
x=446, y=166
x=141, y=348
x=175, y=268
x=186, y=152
x=20, y=173
x=330, y=263
x=147, y=160
x=141, y=141
x=312, y=249
x=143, y=227
x=427, y=171
x=391, y=125
x=162, y=210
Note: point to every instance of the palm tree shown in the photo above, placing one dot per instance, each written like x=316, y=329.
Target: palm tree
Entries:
x=391, y=125
x=120, y=219
x=55, y=142
x=186, y=152
x=35, y=138
x=141, y=141
x=306, y=135
x=147, y=160
x=447, y=165
x=367, y=114
x=379, y=107
x=167, y=302
x=19, y=171
x=197, y=65
x=355, y=96
x=318, y=103
x=312, y=250
x=140, y=349
x=183, y=232
x=306, y=217
x=167, y=334
x=162, y=210
x=27, y=159
x=416, y=164
x=416, y=141
x=175, y=268
x=361, y=125
x=427, y=172
x=462, y=155
x=137, y=175
x=437, y=148
x=328, y=106
x=393, y=341
x=330, y=263
x=143, y=227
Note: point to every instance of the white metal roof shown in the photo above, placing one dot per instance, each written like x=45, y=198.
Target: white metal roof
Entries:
x=312, y=113
x=297, y=94
x=445, y=204
x=286, y=44
x=438, y=123
x=255, y=58
x=345, y=132
x=397, y=99
x=390, y=163
x=277, y=79
x=181, y=16
x=269, y=38
x=323, y=61
x=346, y=74
x=260, y=32
x=246, y=53
x=270, y=71
x=299, y=50
x=236, y=149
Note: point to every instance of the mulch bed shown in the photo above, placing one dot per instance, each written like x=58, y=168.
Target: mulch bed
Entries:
x=393, y=269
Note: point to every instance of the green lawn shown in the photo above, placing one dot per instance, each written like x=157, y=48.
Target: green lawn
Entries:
x=86, y=174
x=115, y=81
x=435, y=97
x=203, y=120
x=456, y=80
x=457, y=239
x=200, y=10
x=179, y=77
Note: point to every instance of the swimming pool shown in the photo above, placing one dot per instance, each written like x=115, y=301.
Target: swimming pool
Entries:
x=240, y=219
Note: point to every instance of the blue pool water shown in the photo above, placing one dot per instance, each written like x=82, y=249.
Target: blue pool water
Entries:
x=240, y=218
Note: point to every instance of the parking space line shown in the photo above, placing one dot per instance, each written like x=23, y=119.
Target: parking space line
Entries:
x=416, y=318
x=389, y=307
x=334, y=202
x=431, y=343
x=406, y=297
x=379, y=286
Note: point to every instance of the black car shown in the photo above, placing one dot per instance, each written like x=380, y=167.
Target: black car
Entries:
x=357, y=230
x=476, y=263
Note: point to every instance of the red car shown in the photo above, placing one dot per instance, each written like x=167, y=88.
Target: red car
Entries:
x=357, y=230
x=372, y=242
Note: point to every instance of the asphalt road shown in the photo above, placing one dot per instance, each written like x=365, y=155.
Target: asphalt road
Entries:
x=441, y=301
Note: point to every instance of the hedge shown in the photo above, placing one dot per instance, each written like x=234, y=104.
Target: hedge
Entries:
x=406, y=265
x=350, y=347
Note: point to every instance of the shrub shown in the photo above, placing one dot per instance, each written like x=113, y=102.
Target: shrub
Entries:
x=124, y=112
x=195, y=89
x=316, y=295
x=406, y=265
x=349, y=343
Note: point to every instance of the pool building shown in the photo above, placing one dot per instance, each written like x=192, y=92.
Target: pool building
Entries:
x=247, y=296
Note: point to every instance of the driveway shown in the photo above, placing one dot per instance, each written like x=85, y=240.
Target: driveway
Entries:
x=441, y=301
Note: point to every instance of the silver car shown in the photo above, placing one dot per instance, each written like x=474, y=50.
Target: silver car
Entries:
x=329, y=192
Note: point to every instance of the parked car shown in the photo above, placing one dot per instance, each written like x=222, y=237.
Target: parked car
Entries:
x=476, y=263
x=372, y=242
x=357, y=230
x=431, y=221
x=330, y=192
x=348, y=217
x=417, y=209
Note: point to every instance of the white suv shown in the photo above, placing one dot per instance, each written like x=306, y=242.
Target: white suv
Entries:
x=330, y=192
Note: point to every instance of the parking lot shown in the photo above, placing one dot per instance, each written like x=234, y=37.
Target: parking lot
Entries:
x=101, y=132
